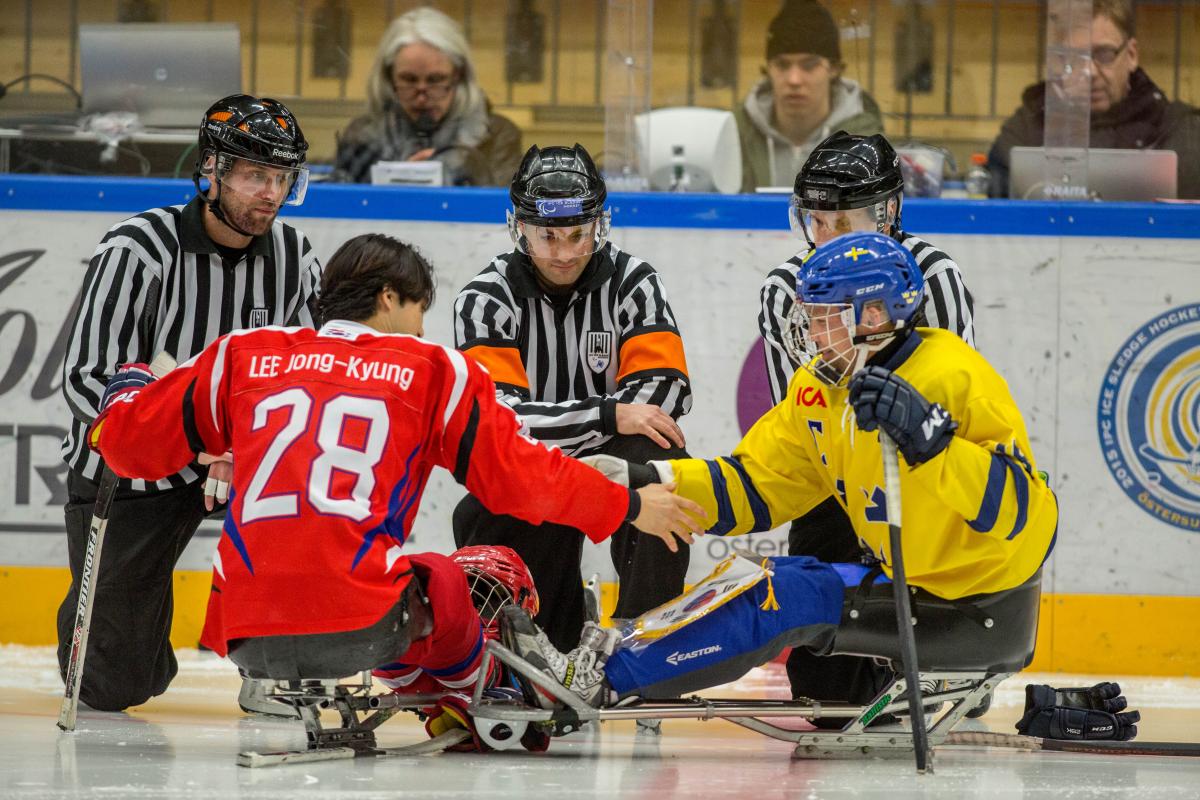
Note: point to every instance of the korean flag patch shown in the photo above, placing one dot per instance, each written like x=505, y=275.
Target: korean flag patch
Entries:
x=599, y=350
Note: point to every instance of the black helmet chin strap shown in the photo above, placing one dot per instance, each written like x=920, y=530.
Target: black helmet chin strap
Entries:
x=214, y=203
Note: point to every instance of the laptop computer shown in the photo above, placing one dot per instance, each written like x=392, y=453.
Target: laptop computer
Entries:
x=167, y=73
x=1134, y=175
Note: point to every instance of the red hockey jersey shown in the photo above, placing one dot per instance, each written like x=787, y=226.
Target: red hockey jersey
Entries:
x=334, y=434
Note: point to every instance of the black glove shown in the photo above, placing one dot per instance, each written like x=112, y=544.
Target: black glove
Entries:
x=1101, y=697
x=882, y=399
x=1092, y=713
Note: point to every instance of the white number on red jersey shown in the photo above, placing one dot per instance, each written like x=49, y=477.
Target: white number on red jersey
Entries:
x=334, y=455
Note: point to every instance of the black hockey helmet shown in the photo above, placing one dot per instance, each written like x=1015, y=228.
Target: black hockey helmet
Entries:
x=259, y=129
x=557, y=186
x=848, y=172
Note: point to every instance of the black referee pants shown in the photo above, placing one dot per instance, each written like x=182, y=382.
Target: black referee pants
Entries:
x=826, y=533
x=129, y=656
x=648, y=572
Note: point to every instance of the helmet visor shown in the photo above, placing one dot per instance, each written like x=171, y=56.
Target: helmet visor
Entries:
x=560, y=242
x=818, y=226
x=258, y=179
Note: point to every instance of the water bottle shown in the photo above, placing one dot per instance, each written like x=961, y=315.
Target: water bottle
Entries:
x=680, y=180
x=978, y=180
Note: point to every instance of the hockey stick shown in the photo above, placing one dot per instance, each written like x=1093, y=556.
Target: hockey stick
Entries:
x=1105, y=747
x=908, y=641
x=161, y=365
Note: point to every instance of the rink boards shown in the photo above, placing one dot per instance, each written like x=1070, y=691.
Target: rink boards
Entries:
x=1097, y=333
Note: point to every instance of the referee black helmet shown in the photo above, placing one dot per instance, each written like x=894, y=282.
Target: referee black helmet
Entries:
x=847, y=172
x=258, y=130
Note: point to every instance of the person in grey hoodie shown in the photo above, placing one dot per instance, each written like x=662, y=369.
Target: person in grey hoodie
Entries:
x=801, y=99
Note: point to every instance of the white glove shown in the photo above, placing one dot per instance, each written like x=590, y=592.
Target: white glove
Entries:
x=611, y=467
x=665, y=473
x=617, y=469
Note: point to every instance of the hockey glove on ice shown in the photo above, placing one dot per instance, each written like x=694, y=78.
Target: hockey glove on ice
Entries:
x=883, y=400
x=1097, y=712
x=121, y=388
x=451, y=712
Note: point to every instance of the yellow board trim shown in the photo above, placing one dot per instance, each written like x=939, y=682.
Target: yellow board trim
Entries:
x=1079, y=633
x=30, y=597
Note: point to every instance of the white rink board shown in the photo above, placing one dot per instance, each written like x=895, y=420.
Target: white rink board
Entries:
x=1051, y=314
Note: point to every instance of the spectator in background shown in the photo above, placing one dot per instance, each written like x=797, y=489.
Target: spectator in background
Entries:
x=1128, y=110
x=425, y=103
x=802, y=98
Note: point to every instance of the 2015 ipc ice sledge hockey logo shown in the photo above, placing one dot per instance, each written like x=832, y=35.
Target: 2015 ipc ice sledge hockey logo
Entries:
x=1149, y=417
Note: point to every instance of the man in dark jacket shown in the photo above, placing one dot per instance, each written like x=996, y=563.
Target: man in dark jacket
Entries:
x=1128, y=110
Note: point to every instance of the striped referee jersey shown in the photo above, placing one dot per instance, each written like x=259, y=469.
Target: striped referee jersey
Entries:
x=158, y=283
x=564, y=364
x=948, y=305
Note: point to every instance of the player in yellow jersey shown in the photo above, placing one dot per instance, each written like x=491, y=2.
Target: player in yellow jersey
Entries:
x=978, y=516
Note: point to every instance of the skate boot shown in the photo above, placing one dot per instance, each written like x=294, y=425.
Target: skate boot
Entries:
x=581, y=671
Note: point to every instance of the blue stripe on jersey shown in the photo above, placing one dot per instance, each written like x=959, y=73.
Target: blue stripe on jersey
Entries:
x=1021, y=485
x=993, y=493
x=725, y=519
x=762, y=514
x=466, y=662
x=1050, y=549
x=230, y=529
x=392, y=523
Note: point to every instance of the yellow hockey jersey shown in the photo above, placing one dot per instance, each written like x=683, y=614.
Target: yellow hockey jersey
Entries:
x=977, y=517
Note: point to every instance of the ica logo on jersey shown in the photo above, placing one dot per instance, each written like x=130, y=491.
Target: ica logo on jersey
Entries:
x=1149, y=417
x=809, y=396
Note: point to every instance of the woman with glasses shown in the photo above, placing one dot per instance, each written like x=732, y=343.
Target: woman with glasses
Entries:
x=1128, y=111
x=426, y=103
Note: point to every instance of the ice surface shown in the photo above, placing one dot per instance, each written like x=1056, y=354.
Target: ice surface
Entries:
x=183, y=746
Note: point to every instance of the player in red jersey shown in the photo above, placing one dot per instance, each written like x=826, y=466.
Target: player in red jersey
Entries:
x=334, y=433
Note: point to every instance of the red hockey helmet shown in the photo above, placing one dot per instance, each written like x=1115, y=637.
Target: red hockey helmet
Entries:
x=496, y=576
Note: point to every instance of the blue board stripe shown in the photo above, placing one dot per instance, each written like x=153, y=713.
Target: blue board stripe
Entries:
x=653, y=210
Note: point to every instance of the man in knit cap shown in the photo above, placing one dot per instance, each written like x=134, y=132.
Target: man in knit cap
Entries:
x=801, y=99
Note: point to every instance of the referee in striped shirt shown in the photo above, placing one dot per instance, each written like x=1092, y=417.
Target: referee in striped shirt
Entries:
x=849, y=183
x=581, y=342
x=174, y=279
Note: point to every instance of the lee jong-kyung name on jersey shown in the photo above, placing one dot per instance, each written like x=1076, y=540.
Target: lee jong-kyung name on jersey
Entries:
x=353, y=367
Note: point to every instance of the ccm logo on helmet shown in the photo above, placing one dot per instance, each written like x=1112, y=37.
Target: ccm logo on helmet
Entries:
x=869, y=289
x=290, y=154
x=811, y=396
